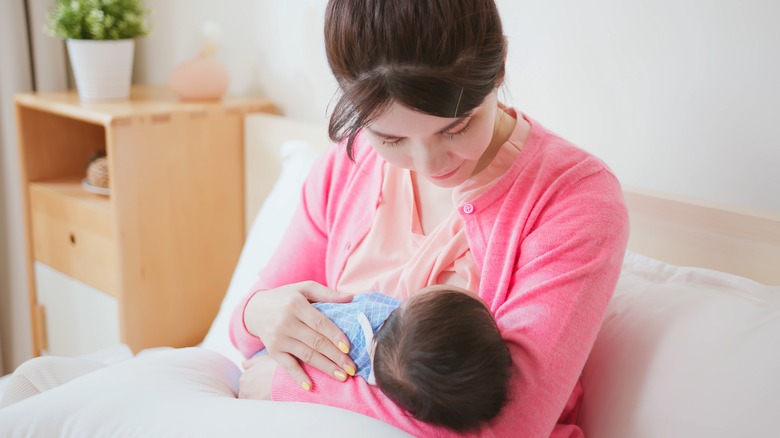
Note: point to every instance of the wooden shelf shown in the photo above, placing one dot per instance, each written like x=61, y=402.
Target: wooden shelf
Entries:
x=145, y=100
x=73, y=232
x=71, y=188
x=165, y=242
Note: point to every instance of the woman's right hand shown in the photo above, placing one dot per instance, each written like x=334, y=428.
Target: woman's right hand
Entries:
x=292, y=329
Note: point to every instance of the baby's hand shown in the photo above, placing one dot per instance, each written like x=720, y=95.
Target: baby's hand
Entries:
x=255, y=383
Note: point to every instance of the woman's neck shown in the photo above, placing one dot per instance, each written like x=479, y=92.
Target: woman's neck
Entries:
x=433, y=203
x=502, y=130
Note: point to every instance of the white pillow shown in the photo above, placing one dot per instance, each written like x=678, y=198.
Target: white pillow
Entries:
x=188, y=392
x=264, y=236
x=684, y=352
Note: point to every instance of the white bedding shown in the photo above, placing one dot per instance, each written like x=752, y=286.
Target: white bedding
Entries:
x=188, y=392
x=682, y=352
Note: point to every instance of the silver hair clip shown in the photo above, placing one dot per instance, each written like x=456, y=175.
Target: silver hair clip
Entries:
x=457, y=105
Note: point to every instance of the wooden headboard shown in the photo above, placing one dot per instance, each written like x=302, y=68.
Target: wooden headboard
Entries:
x=263, y=136
x=691, y=233
x=672, y=229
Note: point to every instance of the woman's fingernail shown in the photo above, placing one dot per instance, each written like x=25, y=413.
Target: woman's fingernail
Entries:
x=341, y=375
x=306, y=386
x=343, y=347
x=349, y=369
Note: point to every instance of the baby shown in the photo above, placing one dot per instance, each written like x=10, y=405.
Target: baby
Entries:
x=439, y=355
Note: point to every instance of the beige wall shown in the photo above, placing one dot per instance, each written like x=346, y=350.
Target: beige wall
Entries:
x=14, y=313
x=16, y=75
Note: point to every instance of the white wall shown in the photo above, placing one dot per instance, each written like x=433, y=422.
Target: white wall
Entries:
x=677, y=96
x=14, y=303
x=272, y=48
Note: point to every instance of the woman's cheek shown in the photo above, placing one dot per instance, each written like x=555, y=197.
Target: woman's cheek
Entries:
x=395, y=157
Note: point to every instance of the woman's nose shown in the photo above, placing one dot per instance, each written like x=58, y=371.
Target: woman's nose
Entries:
x=429, y=159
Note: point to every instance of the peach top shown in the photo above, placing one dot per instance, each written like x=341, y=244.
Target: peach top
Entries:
x=396, y=238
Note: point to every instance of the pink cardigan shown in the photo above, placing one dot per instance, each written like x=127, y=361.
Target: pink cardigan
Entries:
x=550, y=236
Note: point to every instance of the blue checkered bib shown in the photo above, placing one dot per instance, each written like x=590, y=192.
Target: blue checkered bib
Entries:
x=375, y=307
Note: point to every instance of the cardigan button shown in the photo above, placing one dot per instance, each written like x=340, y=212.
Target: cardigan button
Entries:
x=468, y=208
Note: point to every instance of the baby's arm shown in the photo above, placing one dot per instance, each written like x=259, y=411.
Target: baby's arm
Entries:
x=256, y=381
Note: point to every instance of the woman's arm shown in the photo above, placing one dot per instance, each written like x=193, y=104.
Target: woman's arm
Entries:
x=255, y=381
x=566, y=271
x=277, y=314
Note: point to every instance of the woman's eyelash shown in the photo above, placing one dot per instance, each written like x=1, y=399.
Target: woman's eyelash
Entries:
x=389, y=143
x=452, y=135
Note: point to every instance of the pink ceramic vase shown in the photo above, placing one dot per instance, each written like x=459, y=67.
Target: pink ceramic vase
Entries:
x=201, y=78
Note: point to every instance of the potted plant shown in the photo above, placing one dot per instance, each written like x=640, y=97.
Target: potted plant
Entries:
x=100, y=38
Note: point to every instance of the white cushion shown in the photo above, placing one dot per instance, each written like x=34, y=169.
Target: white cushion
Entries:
x=684, y=352
x=176, y=393
x=263, y=238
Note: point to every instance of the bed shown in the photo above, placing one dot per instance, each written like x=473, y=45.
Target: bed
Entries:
x=689, y=345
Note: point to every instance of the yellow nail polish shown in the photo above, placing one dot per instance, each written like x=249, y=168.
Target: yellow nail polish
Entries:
x=306, y=386
x=350, y=370
x=341, y=375
x=343, y=347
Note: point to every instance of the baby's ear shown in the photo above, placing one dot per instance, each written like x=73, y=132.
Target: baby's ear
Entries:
x=372, y=350
x=371, y=375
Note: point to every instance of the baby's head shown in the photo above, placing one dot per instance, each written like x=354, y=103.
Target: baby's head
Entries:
x=440, y=357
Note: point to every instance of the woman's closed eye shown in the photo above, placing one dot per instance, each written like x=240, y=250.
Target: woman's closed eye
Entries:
x=390, y=141
x=450, y=133
x=458, y=130
x=384, y=139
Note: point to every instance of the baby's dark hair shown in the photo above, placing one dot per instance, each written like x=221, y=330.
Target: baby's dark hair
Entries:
x=439, y=57
x=441, y=358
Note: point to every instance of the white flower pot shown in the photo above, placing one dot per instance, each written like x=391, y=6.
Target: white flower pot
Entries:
x=103, y=68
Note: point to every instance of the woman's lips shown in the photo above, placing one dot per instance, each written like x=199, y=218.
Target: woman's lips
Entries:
x=446, y=175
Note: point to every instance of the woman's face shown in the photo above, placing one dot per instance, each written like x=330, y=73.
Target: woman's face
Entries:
x=443, y=150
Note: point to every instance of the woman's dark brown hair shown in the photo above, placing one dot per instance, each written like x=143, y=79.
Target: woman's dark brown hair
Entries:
x=439, y=57
x=441, y=357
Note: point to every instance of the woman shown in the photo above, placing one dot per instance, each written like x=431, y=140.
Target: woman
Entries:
x=435, y=181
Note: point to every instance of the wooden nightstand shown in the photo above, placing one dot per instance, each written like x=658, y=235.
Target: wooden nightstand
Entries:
x=148, y=264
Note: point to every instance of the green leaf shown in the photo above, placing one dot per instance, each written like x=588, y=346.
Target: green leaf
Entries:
x=97, y=19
